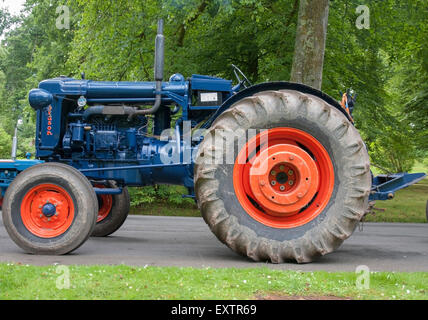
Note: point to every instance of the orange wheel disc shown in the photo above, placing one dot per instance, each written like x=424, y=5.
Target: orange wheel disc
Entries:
x=105, y=202
x=47, y=210
x=283, y=177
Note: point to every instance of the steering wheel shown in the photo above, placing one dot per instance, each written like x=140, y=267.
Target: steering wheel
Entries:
x=238, y=72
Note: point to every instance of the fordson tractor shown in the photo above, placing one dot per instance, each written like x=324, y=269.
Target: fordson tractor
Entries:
x=278, y=170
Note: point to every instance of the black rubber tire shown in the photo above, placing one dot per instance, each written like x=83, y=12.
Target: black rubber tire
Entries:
x=116, y=217
x=224, y=214
x=426, y=210
x=84, y=201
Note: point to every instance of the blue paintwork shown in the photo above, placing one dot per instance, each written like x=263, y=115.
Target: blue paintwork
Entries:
x=9, y=169
x=384, y=186
x=49, y=210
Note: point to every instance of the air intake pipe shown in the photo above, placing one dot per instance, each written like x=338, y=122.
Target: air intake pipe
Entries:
x=159, y=66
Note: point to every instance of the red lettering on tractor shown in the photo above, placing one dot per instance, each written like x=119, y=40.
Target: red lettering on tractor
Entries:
x=49, y=128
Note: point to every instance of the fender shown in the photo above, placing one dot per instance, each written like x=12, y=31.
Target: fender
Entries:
x=279, y=85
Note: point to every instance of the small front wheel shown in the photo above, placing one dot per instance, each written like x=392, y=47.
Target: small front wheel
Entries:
x=50, y=208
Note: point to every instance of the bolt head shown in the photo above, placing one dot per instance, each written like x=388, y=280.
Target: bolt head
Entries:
x=262, y=182
x=282, y=188
x=300, y=195
x=290, y=182
x=281, y=168
x=273, y=172
x=291, y=158
x=290, y=172
x=273, y=182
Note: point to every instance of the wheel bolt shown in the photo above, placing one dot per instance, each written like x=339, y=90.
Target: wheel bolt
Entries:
x=273, y=173
x=282, y=188
x=290, y=172
x=291, y=182
x=273, y=182
x=281, y=168
x=299, y=195
x=291, y=158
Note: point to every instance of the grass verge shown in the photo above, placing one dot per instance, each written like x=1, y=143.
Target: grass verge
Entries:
x=408, y=205
x=125, y=282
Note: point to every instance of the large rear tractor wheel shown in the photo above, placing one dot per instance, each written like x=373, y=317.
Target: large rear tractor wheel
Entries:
x=113, y=211
x=282, y=176
x=50, y=208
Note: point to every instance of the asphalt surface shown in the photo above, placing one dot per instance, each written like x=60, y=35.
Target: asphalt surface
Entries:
x=182, y=241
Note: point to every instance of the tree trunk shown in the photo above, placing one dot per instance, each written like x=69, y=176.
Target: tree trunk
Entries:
x=310, y=43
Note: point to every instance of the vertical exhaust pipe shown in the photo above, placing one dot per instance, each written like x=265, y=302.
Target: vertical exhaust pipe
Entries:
x=14, y=143
x=159, y=52
x=158, y=70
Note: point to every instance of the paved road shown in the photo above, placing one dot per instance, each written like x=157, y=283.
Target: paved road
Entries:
x=181, y=241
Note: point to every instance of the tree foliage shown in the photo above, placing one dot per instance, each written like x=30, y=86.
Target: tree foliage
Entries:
x=113, y=40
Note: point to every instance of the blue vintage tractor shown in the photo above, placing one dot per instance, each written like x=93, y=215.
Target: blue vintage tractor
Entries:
x=277, y=169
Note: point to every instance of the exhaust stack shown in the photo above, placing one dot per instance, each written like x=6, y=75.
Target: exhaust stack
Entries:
x=158, y=70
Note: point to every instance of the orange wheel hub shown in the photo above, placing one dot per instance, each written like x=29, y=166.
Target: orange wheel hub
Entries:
x=283, y=177
x=47, y=210
x=105, y=202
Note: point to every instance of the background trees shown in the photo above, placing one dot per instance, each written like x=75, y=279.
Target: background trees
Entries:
x=387, y=64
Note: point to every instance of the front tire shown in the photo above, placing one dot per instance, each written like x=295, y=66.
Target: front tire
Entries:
x=315, y=204
x=50, y=208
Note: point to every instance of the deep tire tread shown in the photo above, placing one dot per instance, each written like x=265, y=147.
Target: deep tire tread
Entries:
x=326, y=236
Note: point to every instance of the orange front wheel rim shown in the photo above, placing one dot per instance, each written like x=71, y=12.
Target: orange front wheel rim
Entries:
x=283, y=177
x=47, y=210
x=105, y=202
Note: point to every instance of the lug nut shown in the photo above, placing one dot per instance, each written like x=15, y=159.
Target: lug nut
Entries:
x=273, y=182
x=281, y=168
x=290, y=172
x=273, y=173
x=291, y=182
x=282, y=188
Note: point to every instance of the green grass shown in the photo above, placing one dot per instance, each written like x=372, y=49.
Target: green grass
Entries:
x=408, y=205
x=125, y=282
x=167, y=209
